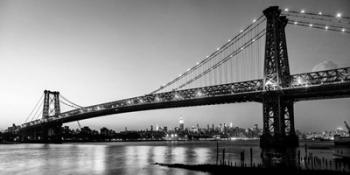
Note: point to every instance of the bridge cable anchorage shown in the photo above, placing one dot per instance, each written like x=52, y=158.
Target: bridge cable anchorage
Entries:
x=35, y=107
x=333, y=28
x=234, y=53
x=218, y=51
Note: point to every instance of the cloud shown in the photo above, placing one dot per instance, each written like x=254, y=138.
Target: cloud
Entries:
x=325, y=65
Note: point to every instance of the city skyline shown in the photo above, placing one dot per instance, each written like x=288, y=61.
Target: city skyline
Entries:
x=86, y=51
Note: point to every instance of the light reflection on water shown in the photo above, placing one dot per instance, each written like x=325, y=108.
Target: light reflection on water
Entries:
x=119, y=158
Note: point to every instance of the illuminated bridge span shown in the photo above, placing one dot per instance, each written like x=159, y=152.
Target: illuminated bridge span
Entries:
x=251, y=67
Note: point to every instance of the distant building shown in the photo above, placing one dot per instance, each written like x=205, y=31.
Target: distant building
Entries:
x=194, y=129
x=13, y=129
x=182, y=124
x=221, y=127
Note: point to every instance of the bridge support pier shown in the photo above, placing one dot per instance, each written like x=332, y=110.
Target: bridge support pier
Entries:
x=278, y=122
x=51, y=133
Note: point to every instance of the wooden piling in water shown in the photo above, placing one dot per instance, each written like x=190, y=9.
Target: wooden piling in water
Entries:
x=242, y=158
x=217, y=152
x=251, y=157
x=223, y=156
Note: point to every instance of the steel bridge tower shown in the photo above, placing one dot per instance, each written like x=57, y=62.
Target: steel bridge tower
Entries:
x=50, y=132
x=51, y=104
x=278, y=110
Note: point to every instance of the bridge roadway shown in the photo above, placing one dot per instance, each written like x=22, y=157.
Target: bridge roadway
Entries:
x=305, y=86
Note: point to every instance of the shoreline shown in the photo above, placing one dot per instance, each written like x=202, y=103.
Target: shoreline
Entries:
x=226, y=169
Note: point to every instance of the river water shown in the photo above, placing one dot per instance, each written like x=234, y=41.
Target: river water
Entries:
x=128, y=158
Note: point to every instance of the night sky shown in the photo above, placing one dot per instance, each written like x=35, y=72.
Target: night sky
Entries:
x=99, y=51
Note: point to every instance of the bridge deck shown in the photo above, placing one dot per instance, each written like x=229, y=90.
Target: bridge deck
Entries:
x=306, y=86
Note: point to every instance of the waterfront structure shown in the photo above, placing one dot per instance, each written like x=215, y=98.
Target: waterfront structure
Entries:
x=278, y=90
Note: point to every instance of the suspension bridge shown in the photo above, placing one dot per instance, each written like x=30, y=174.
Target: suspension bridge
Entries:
x=252, y=66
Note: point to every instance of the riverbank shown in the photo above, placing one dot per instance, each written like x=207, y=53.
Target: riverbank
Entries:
x=225, y=169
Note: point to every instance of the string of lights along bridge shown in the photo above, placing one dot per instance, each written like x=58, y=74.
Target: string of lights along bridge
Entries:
x=252, y=66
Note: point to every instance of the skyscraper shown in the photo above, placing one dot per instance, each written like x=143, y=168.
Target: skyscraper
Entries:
x=181, y=122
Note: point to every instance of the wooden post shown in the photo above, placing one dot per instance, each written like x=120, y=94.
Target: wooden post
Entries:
x=217, y=152
x=223, y=156
x=251, y=157
x=242, y=158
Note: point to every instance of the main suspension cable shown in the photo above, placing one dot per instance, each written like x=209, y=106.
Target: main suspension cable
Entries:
x=217, y=52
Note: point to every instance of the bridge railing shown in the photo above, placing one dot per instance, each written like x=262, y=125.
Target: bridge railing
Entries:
x=321, y=77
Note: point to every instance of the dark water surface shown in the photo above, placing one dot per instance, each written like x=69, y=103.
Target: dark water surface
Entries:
x=128, y=158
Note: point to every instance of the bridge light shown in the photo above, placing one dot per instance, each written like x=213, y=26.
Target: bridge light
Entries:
x=199, y=93
x=286, y=9
x=253, y=39
x=295, y=22
x=218, y=48
x=240, y=31
x=343, y=29
x=319, y=13
x=197, y=63
x=338, y=15
x=302, y=11
x=229, y=40
x=326, y=27
x=310, y=25
x=299, y=81
x=270, y=83
x=177, y=96
x=254, y=20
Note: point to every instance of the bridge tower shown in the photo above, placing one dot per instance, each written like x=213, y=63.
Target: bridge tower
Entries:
x=47, y=132
x=278, y=111
x=51, y=104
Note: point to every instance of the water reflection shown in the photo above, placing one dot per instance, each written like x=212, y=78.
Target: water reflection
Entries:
x=159, y=153
x=202, y=155
x=282, y=157
x=178, y=154
x=137, y=158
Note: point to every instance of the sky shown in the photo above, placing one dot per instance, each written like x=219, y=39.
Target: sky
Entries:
x=100, y=51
